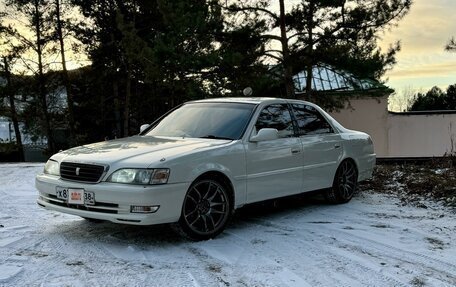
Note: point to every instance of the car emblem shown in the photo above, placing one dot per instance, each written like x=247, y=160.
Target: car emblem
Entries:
x=77, y=170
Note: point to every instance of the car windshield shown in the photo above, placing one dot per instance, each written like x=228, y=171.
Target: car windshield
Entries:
x=205, y=120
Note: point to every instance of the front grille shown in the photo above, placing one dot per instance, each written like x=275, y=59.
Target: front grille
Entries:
x=81, y=172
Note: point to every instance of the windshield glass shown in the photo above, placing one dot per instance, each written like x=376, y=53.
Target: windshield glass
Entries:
x=205, y=120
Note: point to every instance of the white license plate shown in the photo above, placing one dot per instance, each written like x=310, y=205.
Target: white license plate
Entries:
x=75, y=195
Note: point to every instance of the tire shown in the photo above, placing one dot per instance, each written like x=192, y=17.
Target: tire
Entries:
x=345, y=183
x=206, y=210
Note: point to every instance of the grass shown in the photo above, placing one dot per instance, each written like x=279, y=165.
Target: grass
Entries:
x=435, y=180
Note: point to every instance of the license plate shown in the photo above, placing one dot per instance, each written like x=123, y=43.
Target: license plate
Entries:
x=76, y=195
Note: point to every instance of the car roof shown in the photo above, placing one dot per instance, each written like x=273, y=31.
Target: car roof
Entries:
x=266, y=101
x=247, y=100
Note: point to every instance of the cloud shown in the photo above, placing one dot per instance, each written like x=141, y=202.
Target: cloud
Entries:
x=431, y=70
x=427, y=27
x=423, y=33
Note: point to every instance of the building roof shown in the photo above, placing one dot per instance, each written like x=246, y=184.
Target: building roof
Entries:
x=326, y=78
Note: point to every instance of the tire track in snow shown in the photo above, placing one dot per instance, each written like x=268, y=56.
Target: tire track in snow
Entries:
x=379, y=248
x=324, y=257
x=404, y=256
x=424, y=258
x=57, y=255
x=278, y=252
x=217, y=270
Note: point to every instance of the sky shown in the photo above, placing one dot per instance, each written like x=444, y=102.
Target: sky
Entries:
x=423, y=63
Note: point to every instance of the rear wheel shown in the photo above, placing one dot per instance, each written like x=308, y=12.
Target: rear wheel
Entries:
x=206, y=210
x=345, y=183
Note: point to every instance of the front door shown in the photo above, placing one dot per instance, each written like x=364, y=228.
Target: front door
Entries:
x=274, y=167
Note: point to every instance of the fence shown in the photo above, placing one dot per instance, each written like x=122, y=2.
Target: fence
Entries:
x=409, y=134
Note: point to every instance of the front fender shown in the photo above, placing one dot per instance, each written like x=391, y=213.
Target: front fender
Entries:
x=229, y=161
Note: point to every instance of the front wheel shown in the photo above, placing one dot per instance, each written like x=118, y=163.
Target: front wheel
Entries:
x=345, y=183
x=206, y=210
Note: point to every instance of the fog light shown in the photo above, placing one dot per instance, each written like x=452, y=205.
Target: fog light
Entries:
x=144, y=209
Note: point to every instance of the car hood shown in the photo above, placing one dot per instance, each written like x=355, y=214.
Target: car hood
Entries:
x=136, y=151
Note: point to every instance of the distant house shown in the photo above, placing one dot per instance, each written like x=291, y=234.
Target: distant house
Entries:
x=2, y=82
x=33, y=146
x=5, y=130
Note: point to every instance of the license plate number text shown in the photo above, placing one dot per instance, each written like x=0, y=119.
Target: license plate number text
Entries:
x=75, y=195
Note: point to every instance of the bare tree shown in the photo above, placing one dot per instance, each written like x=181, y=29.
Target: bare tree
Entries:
x=34, y=40
x=12, y=106
x=402, y=101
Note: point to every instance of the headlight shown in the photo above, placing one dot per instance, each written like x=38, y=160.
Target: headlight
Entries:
x=140, y=176
x=52, y=167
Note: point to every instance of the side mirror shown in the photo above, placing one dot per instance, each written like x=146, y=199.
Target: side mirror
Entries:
x=265, y=134
x=143, y=128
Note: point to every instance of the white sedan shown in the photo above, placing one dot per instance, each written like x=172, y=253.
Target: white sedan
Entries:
x=198, y=163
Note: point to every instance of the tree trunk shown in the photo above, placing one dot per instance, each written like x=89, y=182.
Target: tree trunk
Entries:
x=309, y=66
x=287, y=68
x=66, y=78
x=127, y=103
x=41, y=81
x=14, y=118
x=117, y=111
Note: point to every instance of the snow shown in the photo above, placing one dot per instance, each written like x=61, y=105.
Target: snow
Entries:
x=371, y=241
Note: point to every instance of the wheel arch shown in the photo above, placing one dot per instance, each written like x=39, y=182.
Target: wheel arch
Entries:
x=350, y=159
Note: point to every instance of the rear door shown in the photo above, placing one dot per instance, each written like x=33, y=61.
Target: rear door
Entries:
x=321, y=146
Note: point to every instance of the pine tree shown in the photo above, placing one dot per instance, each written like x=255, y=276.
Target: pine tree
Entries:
x=341, y=32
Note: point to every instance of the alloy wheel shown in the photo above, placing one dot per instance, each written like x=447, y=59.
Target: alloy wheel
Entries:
x=347, y=178
x=345, y=183
x=206, y=209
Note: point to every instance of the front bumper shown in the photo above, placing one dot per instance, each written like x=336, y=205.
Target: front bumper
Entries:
x=113, y=201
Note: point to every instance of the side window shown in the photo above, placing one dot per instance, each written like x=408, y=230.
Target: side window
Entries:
x=276, y=117
x=310, y=121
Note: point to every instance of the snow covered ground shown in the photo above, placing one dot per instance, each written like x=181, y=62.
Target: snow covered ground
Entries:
x=372, y=241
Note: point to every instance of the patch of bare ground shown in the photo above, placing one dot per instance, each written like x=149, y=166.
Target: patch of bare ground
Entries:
x=416, y=182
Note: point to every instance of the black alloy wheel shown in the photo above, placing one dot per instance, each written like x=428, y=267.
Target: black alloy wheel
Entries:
x=206, y=210
x=345, y=183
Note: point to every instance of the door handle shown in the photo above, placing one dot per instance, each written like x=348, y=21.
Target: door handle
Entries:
x=295, y=150
x=337, y=146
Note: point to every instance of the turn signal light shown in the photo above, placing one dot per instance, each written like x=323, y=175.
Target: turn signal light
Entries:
x=144, y=209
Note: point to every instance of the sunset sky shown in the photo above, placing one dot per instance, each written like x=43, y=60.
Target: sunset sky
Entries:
x=423, y=62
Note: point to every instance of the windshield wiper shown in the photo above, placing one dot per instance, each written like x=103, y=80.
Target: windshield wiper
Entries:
x=215, y=137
